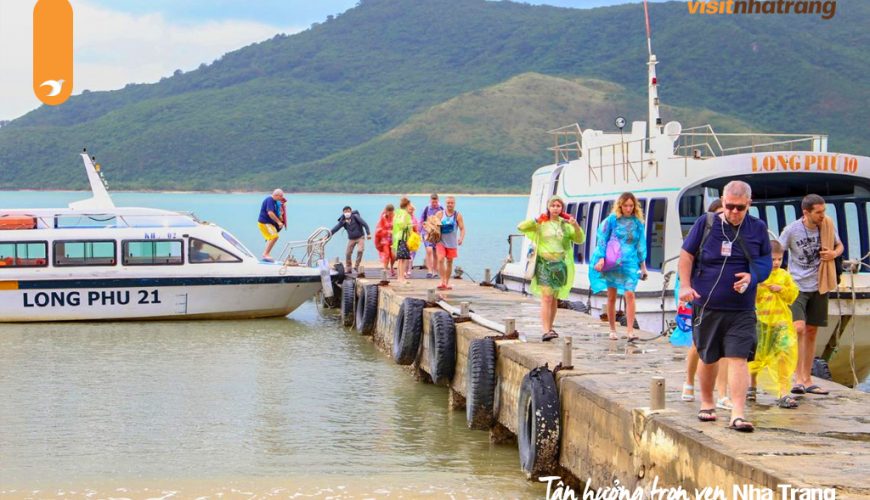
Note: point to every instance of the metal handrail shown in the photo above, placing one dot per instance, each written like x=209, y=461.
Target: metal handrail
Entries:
x=315, y=248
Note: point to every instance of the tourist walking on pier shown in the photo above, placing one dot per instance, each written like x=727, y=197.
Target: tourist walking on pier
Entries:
x=402, y=229
x=271, y=220
x=553, y=235
x=384, y=239
x=722, y=261
x=692, y=356
x=430, y=210
x=812, y=244
x=620, y=259
x=776, y=355
x=357, y=232
x=452, y=234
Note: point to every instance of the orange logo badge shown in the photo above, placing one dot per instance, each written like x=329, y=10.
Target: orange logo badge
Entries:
x=52, y=51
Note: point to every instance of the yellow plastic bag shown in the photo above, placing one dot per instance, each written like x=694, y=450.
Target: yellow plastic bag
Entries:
x=414, y=241
x=776, y=353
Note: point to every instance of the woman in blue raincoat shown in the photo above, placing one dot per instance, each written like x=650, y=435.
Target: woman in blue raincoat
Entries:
x=620, y=259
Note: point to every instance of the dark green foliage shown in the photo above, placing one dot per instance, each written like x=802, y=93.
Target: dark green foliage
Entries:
x=312, y=111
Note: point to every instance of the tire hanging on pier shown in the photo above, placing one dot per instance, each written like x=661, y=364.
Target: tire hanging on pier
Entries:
x=348, y=296
x=366, y=309
x=337, y=280
x=408, y=331
x=480, y=382
x=442, y=348
x=538, y=429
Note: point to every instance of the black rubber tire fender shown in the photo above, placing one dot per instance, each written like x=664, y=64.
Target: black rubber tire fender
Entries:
x=366, y=309
x=442, y=348
x=408, y=331
x=538, y=426
x=348, y=296
x=480, y=384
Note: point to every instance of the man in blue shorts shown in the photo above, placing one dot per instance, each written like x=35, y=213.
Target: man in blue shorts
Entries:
x=723, y=259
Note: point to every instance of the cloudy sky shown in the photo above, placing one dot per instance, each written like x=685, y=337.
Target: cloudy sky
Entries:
x=139, y=41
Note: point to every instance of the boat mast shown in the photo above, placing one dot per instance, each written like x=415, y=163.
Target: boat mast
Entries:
x=655, y=121
x=100, y=198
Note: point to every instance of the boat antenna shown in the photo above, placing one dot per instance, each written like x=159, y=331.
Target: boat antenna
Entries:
x=655, y=121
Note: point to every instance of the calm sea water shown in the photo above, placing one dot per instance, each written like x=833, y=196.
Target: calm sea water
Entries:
x=279, y=407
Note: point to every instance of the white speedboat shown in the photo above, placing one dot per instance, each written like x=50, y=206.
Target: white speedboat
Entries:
x=95, y=261
x=676, y=173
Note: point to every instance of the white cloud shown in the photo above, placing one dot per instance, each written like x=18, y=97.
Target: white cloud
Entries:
x=114, y=48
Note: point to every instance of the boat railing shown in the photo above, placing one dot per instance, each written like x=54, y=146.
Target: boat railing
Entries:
x=314, y=249
x=567, y=143
x=703, y=142
x=625, y=161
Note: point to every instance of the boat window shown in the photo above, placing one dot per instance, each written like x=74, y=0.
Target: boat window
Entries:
x=591, y=227
x=790, y=214
x=84, y=253
x=570, y=209
x=85, y=221
x=655, y=233
x=641, y=202
x=606, y=208
x=753, y=211
x=691, y=207
x=582, y=215
x=771, y=218
x=201, y=252
x=236, y=243
x=152, y=252
x=23, y=254
x=853, y=231
x=831, y=211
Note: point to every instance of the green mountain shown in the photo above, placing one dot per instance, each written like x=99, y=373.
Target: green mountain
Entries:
x=389, y=92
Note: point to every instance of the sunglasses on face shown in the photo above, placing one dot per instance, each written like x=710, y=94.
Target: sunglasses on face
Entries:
x=732, y=206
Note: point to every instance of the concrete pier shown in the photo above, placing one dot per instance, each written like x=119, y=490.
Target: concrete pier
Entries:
x=609, y=432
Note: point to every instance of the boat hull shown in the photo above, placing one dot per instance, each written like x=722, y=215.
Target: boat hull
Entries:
x=176, y=298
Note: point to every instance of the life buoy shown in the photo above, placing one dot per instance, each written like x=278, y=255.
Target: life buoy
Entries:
x=408, y=331
x=442, y=348
x=480, y=384
x=366, y=309
x=538, y=423
x=348, y=296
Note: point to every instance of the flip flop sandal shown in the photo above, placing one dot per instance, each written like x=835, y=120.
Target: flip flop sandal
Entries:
x=633, y=338
x=725, y=403
x=786, y=402
x=549, y=336
x=688, y=392
x=814, y=389
x=741, y=425
x=708, y=415
x=798, y=389
x=751, y=394
x=613, y=335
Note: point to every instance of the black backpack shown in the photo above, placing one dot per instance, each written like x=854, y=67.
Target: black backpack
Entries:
x=708, y=226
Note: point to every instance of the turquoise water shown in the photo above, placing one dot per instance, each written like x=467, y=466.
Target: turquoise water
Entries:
x=283, y=407
x=488, y=220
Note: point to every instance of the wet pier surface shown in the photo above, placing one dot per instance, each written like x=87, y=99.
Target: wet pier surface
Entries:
x=608, y=431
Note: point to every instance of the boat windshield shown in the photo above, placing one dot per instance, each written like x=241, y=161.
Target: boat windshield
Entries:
x=90, y=221
x=236, y=243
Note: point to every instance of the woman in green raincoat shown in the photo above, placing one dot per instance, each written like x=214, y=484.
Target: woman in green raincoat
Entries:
x=553, y=234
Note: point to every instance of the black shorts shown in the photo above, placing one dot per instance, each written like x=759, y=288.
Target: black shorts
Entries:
x=724, y=334
x=811, y=307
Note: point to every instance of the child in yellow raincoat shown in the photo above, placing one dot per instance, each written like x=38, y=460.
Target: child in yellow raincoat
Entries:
x=776, y=353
